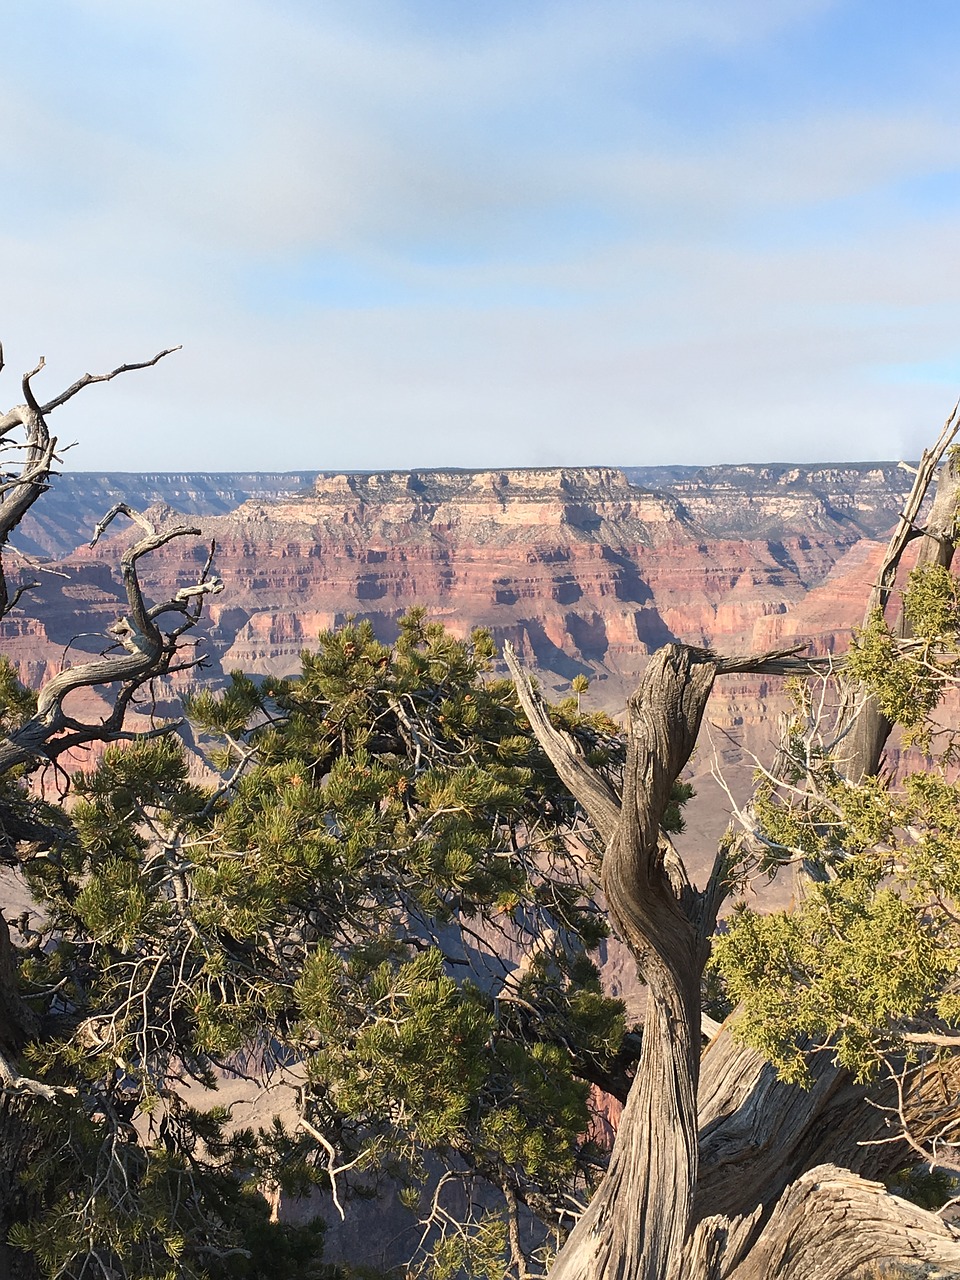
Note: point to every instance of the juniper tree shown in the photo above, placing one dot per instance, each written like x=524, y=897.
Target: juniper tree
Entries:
x=758, y=1158
x=345, y=908
x=385, y=825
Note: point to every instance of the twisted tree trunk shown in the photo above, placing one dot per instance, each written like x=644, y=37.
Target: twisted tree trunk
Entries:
x=749, y=1189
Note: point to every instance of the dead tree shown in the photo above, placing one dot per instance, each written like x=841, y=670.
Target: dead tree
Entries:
x=143, y=644
x=720, y=1171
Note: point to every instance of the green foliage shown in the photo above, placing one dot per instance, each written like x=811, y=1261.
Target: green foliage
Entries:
x=182, y=1209
x=872, y=951
x=337, y=903
x=908, y=682
x=867, y=963
x=854, y=961
x=673, y=821
x=17, y=703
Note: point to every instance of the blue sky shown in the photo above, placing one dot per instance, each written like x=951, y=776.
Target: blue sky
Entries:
x=400, y=233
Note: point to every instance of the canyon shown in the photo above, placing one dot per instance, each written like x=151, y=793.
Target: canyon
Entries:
x=584, y=570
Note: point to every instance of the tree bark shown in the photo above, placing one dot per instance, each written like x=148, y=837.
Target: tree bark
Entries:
x=830, y=1222
x=665, y=923
x=723, y=1201
x=758, y=1134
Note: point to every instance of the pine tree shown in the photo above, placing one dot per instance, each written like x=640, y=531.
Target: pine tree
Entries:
x=388, y=899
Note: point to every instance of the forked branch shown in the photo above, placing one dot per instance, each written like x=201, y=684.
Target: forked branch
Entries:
x=144, y=642
x=36, y=454
x=149, y=652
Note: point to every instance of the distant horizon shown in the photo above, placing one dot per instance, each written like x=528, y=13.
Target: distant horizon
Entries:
x=821, y=464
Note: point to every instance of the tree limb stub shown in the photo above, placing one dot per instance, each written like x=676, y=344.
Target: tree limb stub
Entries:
x=31, y=475
x=829, y=1222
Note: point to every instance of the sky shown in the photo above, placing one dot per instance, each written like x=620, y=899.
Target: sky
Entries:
x=471, y=233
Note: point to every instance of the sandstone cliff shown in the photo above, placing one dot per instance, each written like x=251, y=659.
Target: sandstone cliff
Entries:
x=582, y=570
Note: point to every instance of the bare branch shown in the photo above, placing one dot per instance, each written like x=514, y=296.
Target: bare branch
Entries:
x=12, y=1082
x=89, y=378
x=23, y=588
x=122, y=509
x=583, y=781
x=932, y=1038
x=28, y=390
x=775, y=662
x=149, y=652
x=907, y=528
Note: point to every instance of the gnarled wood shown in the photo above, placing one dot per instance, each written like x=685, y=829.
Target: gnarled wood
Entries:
x=724, y=1202
x=758, y=1134
x=149, y=651
x=861, y=749
x=830, y=1222
x=654, y=1160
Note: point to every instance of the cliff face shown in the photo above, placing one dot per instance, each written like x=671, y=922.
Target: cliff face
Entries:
x=768, y=501
x=581, y=569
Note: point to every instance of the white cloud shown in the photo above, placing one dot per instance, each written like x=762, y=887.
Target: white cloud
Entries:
x=555, y=284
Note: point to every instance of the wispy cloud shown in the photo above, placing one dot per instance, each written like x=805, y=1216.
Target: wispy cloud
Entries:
x=398, y=233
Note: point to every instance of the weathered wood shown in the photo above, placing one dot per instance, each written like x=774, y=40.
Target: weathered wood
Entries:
x=584, y=783
x=758, y=1134
x=654, y=1160
x=830, y=1222
x=861, y=750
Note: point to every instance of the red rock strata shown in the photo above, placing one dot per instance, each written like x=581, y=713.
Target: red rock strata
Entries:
x=580, y=569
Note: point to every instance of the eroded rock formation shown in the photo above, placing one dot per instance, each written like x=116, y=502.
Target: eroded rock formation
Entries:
x=582, y=570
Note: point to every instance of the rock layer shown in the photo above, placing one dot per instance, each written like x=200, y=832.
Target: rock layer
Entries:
x=584, y=571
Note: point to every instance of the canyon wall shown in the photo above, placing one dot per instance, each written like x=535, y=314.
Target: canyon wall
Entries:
x=585, y=570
